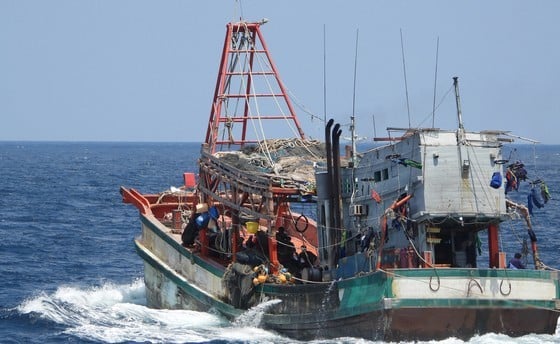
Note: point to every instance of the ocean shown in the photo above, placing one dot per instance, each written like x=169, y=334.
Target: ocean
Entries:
x=69, y=272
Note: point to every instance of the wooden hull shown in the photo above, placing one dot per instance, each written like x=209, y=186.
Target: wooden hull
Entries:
x=410, y=324
x=377, y=306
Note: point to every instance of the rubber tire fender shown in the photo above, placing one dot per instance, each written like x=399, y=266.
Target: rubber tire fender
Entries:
x=304, y=227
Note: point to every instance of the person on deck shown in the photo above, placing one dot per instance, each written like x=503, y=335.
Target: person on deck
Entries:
x=250, y=255
x=286, y=251
x=516, y=263
x=306, y=259
x=261, y=241
x=282, y=236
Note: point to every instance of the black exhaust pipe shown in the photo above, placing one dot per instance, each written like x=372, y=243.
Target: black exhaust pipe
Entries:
x=335, y=184
x=329, y=148
x=329, y=222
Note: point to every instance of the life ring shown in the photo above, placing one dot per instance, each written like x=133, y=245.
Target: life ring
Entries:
x=302, y=230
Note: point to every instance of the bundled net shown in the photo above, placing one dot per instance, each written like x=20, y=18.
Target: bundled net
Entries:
x=288, y=162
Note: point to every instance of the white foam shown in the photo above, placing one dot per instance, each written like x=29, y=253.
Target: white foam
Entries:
x=117, y=313
x=253, y=316
x=113, y=313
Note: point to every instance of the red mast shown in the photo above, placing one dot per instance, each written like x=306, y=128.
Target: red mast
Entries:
x=249, y=93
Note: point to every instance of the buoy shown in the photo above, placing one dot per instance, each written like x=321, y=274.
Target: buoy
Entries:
x=261, y=278
x=375, y=196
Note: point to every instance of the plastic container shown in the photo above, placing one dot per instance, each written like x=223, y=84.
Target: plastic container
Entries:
x=214, y=213
x=201, y=208
x=252, y=227
x=189, y=180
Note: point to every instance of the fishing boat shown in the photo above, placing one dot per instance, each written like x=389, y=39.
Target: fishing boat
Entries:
x=380, y=244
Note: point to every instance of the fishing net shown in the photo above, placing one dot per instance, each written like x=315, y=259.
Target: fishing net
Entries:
x=288, y=162
x=238, y=282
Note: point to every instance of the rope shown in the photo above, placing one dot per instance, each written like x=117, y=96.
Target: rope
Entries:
x=304, y=239
x=309, y=281
x=303, y=108
x=419, y=255
x=549, y=268
x=509, y=285
x=237, y=44
x=388, y=273
x=294, y=132
x=431, y=113
x=470, y=286
x=245, y=48
x=438, y=281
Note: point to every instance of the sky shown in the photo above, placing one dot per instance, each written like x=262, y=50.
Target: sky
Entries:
x=138, y=70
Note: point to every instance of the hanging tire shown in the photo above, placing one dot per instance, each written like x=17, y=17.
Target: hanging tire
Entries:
x=306, y=224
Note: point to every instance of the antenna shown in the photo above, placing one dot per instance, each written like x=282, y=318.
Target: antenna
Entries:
x=240, y=5
x=435, y=84
x=325, y=73
x=405, y=83
x=355, y=69
x=352, y=129
x=458, y=102
x=374, y=129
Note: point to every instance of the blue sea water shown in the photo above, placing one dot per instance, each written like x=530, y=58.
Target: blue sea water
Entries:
x=68, y=269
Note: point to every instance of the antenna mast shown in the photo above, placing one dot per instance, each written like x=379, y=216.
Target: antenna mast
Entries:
x=325, y=73
x=461, y=131
x=405, y=83
x=435, y=84
x=458, y=101
x=352, y=126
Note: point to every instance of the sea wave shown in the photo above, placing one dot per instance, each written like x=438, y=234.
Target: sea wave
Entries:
x=113, y=313
x=65, y=233
x=117, y=313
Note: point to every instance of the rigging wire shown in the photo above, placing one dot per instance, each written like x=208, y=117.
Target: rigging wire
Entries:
x=303, y=108
x=238, y=44
x=437, y=107
x=264, y=65
x=353, y=128
x=405, y=82
x=286, y=118
x=435, y=84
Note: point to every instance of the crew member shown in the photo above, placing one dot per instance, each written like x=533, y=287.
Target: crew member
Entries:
x=306, y=259
x=516, y=263
x=286, y=251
